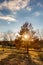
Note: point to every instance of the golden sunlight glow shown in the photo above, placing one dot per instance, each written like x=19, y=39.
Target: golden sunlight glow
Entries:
x=25, y=37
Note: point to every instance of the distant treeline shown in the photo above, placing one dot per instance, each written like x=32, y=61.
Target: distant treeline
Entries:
x=33, y=44
x=7, y=43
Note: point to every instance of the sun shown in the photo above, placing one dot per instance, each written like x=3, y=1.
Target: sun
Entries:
x=25, y=36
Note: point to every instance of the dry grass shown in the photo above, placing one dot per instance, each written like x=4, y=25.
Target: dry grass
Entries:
x=13, y=57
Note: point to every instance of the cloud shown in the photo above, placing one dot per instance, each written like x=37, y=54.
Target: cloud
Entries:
x=40, y=4
x=29, y=8
x=37, y=13
x=14, y=4
x=7, y=18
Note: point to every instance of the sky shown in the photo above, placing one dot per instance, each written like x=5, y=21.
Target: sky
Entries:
x=14, y=13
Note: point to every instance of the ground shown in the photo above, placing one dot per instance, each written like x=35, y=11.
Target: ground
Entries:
x=19, y=57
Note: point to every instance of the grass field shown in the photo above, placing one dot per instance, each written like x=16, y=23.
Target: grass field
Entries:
x=19, y=57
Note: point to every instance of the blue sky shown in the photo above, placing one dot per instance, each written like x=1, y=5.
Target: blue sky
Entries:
x=14, y=13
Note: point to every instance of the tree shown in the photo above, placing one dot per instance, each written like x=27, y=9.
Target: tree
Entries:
x=33, y=40
x=18, y=42
x=5, y=41
x=10, y=36
x=28, y=29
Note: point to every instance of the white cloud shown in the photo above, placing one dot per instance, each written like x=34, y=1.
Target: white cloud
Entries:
x=37, y=13
x=29, y=8
x=15, y=4
x=8, y=18
x=40, y=4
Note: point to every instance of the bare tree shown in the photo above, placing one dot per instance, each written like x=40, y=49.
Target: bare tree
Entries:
x=5, y=41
